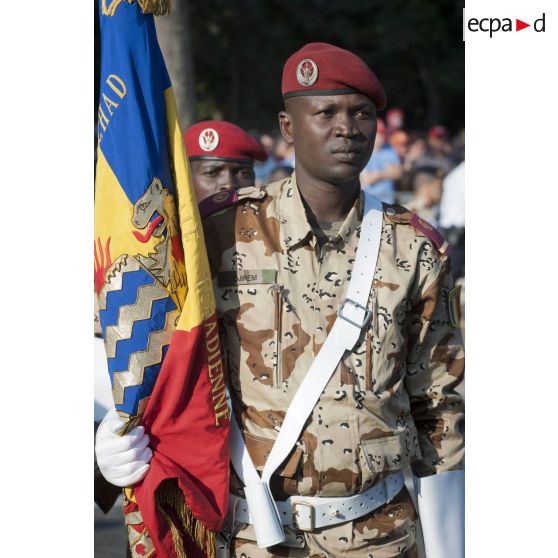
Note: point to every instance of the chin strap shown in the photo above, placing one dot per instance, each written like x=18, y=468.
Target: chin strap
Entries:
x=441, y=504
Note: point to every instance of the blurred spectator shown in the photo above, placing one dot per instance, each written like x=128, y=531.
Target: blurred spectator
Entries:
x=285, y=153
x=395, y=119
x=397, y=155
x=383, y=169
x=427, y=186
x=399, y=140
x=416, y=150
x=280, y=172
x=452, y=217
x=438, y=151
x=263, y=169
x=438, y=139
x=458, y=147
x=269, y=143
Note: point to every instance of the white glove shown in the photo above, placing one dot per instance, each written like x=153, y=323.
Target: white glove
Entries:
x=441, y=503
x=123, y=460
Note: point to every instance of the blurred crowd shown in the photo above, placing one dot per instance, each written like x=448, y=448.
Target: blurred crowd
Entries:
x=421, y=170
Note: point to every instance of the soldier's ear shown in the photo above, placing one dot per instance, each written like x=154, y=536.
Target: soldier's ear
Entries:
x=285, y=125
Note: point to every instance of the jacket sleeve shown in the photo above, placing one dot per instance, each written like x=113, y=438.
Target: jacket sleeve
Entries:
x=435, y=367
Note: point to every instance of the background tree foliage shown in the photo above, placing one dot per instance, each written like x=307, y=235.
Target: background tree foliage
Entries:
x=238, y=48
x=414, y=46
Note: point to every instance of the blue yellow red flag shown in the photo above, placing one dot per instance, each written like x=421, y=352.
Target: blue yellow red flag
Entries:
x=157, y=309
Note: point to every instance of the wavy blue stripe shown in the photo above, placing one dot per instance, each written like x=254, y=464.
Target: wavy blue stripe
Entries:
x=140, y=334
x=131, y=281
x=133, y=394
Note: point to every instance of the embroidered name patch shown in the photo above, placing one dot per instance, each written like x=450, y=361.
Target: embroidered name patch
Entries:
x=247, y=277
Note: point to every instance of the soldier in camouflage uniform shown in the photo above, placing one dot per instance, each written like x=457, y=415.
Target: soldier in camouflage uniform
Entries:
x=281, y=258
x=390, y=402
x=280, y=273
x=221, y=157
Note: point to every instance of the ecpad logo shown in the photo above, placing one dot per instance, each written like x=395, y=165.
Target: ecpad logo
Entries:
x=494, y=24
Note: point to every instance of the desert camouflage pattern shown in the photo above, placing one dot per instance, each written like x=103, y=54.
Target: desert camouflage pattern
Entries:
x=390, y=403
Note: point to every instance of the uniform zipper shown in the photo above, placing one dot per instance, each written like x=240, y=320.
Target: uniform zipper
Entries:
x=277, y=291
x=371, y=334
x=374, y=305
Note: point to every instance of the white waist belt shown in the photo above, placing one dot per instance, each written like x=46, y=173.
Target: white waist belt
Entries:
x=306, y=513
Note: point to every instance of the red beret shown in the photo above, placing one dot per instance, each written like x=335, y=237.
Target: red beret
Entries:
x=217, y=139
x=322, y=69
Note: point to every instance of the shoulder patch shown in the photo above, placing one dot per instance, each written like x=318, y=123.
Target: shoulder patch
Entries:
x=397, y=213
x=226, y=198
x=430, y=232
x=216, y=202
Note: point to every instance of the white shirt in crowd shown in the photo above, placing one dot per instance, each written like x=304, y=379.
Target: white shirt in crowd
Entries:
x=452, y=206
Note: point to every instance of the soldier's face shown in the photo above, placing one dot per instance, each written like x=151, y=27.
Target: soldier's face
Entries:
x=210, y=177
x=333, y=136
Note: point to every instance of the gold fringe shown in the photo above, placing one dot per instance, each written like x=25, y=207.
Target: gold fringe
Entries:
x=176, y=537
x=170, y=494
x=155, y=7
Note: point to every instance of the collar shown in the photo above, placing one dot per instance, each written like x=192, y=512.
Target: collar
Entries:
x=294, y=224
x=353, y=220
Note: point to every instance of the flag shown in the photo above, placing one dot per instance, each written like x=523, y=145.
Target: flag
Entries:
x=156, y=303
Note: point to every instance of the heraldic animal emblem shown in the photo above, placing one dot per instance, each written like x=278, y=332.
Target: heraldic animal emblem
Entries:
x=139, y=304
x=155, y=211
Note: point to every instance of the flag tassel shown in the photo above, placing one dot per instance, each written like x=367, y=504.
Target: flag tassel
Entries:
x=168, y=494
x=155, y=7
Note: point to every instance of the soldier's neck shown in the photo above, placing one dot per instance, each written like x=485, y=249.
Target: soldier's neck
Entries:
x=327, y=202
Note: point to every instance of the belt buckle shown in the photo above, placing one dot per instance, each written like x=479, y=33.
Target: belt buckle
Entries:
x=367, y=313
x=300, y=518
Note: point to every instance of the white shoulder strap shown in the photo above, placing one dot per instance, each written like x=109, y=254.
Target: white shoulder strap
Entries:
x=352, y=316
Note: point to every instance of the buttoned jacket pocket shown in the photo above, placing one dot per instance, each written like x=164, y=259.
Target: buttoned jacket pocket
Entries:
x=388, y=454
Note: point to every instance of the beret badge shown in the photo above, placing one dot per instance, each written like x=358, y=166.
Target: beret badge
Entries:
x=307, y=72
x=209, y=139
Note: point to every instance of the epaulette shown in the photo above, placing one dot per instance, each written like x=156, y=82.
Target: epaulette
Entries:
x=226, y=198
x=399, y=214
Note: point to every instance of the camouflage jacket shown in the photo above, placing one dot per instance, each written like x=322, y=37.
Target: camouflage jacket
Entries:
x=391, y=401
